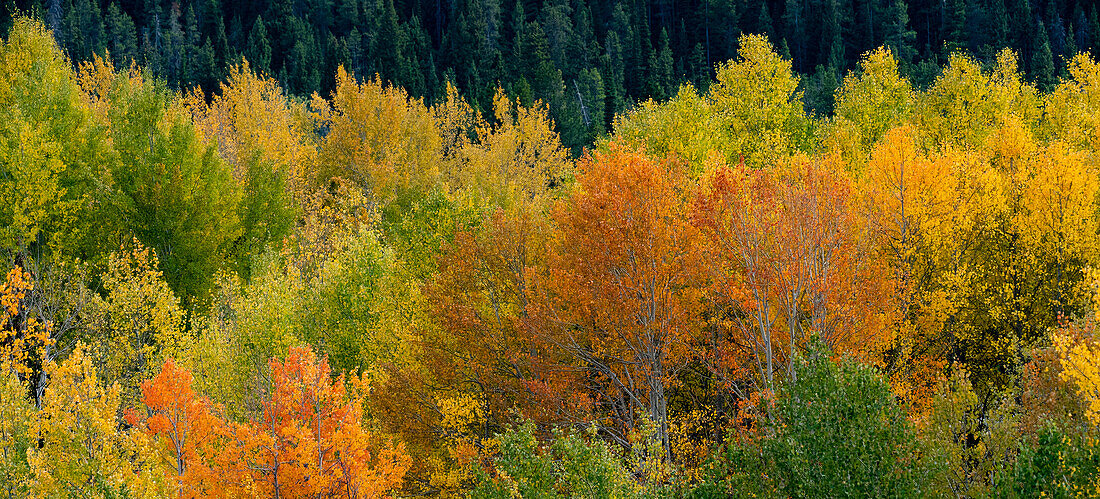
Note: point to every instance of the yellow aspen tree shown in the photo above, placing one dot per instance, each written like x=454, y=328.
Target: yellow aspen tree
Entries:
x=1081, y=366
x=1073, y=108
x=51, y=151
x=380, y=138
x=681, y=127
x=82, y=451
x=965, y=104
x=871, y=103
x=756, y=104
x=140, y=322
x=514, y=161
x=251, y=115
x=909, y=200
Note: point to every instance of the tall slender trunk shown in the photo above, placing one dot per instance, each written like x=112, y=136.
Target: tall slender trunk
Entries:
x=658, y=407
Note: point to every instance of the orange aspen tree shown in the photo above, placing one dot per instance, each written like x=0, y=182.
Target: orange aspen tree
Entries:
x=789, y=258
x=310, y=441
x=620, y=294
x=189, y=435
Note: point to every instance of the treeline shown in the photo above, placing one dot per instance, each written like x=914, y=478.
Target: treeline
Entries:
x=588, y=60
x=247, y=294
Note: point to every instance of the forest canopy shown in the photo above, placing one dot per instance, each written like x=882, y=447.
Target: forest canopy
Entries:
x=253, y=288
x=587, y=60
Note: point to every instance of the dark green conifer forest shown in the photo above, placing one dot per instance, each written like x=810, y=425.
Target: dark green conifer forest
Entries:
x=587, y=59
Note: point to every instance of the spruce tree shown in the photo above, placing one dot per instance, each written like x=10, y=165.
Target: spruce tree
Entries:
x=417, y=59
x=203, y=69
x=659, y=83
x=897, y=35
x=1080, y=32
x=121, y=36
x=615, y=74
x=386, y=49
x=303, y=63
x=585, y=49
x=1042, y=59
x=1094, y=30
x=54, y=17
x=764, y=21
x=83, y=26
x=954, y=27
x=794, y=19
x=258, y=49
x=998, y=24
x=558, y=28
x=347, y=15
x=700, y=71
x=832, y=43
x=544, y=78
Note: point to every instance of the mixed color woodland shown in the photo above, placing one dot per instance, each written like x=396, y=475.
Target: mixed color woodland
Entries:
x=235, y=290
x=586, y=60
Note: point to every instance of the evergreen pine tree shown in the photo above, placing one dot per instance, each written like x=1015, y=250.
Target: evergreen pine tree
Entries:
x=514, y=38
x=584, y=48
x=832, y=43
x=643, y=49
x=204, y=69
x=662, y=67
x=558, y=28
x=764, y=21
x=998, y=24
x=954, y=27
x=544, y=78
x=615, y=72
x=1021, y=25
x=258, y=49
x=354, y=42
x=54, y=17
x=794, y=19
x=191, y=73
x=337, y=55
x=1071, y=46
x=303, y=63
x=590, y=97
x=83, y=27
x=1081, y=28
x=897, y=35
x=386, y=49
x=347, y=15
x=417, y=58
x=121, y=36
x=1042, y=60
x=1057, y=36
x=700, y=72
x=1094, y=30
x=783, y=49
x=213, y=27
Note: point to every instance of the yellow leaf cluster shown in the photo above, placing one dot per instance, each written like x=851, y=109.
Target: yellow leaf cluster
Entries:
x=1081, y=365
x=82, y=452
x=23, y=339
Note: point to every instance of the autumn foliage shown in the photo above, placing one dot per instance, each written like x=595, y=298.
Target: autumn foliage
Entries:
x=791, y=257
x=309, y=442
x=187, y=432
x=619, y=294
x=244, y=294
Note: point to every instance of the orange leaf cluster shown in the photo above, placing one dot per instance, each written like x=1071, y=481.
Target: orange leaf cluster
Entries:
x=310, y=441
x=790, y=257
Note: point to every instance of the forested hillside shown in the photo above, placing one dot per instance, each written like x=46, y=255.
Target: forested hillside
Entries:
x=587, y=59
x=241, y=291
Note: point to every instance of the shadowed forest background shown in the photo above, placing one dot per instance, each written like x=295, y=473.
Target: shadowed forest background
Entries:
x=550, y=249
